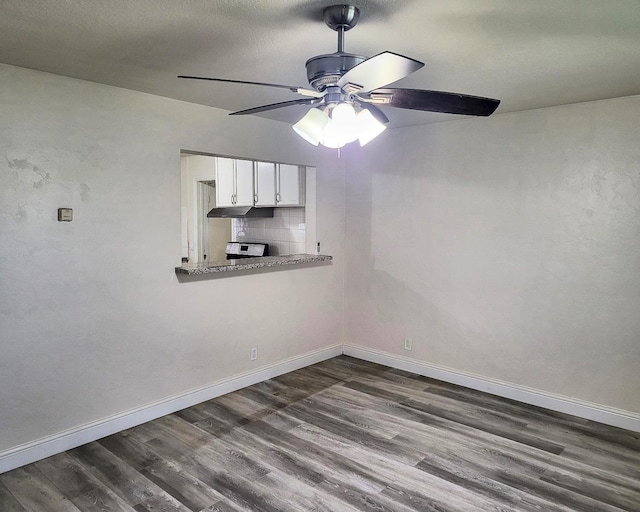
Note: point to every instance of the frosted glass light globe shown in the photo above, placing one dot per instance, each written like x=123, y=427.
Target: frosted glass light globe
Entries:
x=368, y=127
x=312, y=126
x=344, y=125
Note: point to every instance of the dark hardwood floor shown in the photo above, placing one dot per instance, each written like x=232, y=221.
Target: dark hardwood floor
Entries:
x=343, y=435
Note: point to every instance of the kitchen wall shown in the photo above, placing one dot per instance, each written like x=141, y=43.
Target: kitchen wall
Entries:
x=285, y=232
x=93, y=321
x=507, y=248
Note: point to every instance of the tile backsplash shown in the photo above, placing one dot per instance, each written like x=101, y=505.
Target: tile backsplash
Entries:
x=285, y=232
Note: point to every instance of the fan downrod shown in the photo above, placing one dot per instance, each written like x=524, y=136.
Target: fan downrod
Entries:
x=341, y=18
x=326, y=70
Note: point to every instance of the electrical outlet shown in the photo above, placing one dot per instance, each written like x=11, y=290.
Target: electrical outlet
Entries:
x=408, y=343
x=254, y=353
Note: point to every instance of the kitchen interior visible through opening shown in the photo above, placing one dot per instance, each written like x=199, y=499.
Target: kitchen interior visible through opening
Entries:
x=212, y=182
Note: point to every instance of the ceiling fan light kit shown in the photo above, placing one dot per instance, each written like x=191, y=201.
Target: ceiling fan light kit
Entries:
x=343, y=126
x=347, y=89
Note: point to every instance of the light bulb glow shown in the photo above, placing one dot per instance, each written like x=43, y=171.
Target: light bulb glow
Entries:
x=332, y=138
x=340, y=128
x=343, y=113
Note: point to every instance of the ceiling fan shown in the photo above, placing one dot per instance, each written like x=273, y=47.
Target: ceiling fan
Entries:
x=348, y=90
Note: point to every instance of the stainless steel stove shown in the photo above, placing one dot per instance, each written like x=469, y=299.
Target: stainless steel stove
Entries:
x=236, y=250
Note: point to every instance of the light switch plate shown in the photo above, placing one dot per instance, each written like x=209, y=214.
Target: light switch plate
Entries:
x=65, y=214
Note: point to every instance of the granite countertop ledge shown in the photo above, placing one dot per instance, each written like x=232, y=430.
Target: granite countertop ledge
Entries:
x=250, y=263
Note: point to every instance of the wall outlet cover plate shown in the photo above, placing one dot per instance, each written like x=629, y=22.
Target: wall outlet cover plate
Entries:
x=65, y=214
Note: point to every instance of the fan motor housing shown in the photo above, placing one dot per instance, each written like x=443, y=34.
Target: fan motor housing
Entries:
x=324, y=70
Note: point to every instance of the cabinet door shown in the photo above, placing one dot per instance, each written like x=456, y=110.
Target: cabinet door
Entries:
x=244, y=183
x=225, y=189
x=289, y=189
x=265, y=184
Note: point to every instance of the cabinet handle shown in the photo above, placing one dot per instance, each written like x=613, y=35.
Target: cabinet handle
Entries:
x=278, y=197
x=233, y=199
x=255, y=198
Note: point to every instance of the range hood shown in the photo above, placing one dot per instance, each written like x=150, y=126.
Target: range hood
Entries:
x=240, y=212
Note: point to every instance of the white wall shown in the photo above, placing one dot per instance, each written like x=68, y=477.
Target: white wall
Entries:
x=520, y=235
x=508, y=248
x=93, y=321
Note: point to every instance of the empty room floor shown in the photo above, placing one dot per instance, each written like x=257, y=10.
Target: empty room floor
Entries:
x=343, y=435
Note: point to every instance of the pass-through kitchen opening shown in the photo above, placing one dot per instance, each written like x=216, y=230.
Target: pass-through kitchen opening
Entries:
x=234, y=207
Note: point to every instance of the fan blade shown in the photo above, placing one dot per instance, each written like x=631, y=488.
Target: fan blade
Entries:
x=273, y=106
x=433, y=101
x=292, y=88
x=378, y=71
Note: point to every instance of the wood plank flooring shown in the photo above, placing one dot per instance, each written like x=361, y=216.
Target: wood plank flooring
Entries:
x=343, y=435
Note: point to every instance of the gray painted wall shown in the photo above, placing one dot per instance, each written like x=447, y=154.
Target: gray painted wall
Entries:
x=520, y=244
x=93, y=321
x=520, y=234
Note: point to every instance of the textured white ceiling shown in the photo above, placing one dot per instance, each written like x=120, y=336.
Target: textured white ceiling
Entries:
x=529, y=54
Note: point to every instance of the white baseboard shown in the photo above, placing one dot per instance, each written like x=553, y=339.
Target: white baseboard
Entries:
x=608, y=416
x=72, y=438
x=62, y=441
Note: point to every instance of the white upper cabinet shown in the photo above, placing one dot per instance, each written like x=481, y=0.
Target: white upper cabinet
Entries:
x=265, y=184
x=234, y=182
x=248, y=183
x=244, y=183
x=289, y=185
x=225, y=182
